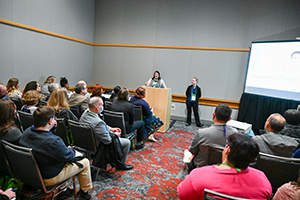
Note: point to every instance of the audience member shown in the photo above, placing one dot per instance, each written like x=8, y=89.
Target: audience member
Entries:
x=59, y=101
x=33, y=85
x=232, y=177
x=291, y=127
x=3, y=92
x=78, y=98
x=102, y=131
x=52, y=155
x=216, y=134
x=45, y=90
x=30, y=100
x=115, y=93
x=13, y=88
x=156, y=81
x=97, y=92
x=152, y=123
x=8, y=129
x=274, y=143
x=64, y=83
x=51, y=88
x=122, y=104
x=288, y=191
x=86, y=94
x=8, y=194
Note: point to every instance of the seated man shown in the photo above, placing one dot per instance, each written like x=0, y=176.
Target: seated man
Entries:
x=52, y=155
x=101, y=130
x=292, y=127
x=216, y=134
x=274, y=143
x=78, y=98
x=3, y=92
x=232, y=177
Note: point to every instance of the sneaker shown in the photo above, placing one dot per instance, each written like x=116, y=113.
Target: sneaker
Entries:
x=65, y=194
x=83, y=195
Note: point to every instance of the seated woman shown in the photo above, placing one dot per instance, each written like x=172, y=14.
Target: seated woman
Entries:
x=289, y=191
x=14, y=93
x=30, y=100
x=50, y=79
x=33, y=85
x=8, y=129
x=121, y=104
x=232, y=177
x=152, y=123
x=59, y=101
x=115, y=93
x=97, y=92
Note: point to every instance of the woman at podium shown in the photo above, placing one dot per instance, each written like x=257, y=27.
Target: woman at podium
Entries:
x=156, y=81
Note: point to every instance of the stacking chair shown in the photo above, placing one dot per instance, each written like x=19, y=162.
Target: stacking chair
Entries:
x=62, y=132
x=76, y=110
x=210, y=195
x=214, y=154
x=25, y=168
x=279, y=170
x=116, y=119
x=138, y=113
x=107, y=105
x=83, y=137
x=26, y=119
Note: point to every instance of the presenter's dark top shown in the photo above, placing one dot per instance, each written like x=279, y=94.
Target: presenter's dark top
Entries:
x=190, y=90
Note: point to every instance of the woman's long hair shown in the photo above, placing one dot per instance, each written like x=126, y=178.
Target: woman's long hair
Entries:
x=59, y=99
x=7, y=115
x=12, y=85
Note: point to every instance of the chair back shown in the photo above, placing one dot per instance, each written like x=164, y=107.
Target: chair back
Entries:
x=211, y=195
x=83, y=136
x=76, y=110
x=23, y=165
x=26, y=119
x=17, y=101
x=138, y=113
x=279, y=170
x=62, y=132
x=115, y=119
x=214, y=154
x=107, y=105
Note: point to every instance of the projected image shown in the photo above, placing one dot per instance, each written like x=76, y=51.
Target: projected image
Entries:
x=274, y=69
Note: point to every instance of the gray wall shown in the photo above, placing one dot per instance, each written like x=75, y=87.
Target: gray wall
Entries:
x=189, y=23
x=29, y=55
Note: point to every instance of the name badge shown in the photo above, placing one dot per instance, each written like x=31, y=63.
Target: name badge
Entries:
x=193, y=97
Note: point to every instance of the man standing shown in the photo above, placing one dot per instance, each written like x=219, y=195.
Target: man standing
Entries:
x=52, y=155
x=216, y=134
x=274, y=143
x=101, y=130
x=193, y=93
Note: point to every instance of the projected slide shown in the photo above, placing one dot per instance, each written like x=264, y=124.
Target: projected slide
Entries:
x=274, y=69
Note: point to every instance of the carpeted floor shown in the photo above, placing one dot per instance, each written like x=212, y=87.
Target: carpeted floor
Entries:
x=158, y=169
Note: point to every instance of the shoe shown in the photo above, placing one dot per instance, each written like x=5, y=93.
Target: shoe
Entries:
x=139, y=146
x=187, y=124
x=200, y=125
x=83, y=195
x=124, y=167
x=65, y=194
x=152, y=139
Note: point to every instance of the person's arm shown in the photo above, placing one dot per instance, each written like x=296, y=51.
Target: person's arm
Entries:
x=186, y=190
x=102, y=132
x=117, y=131
x=8, y=194
x=194, y=148
x=199, y=92
x=187, y=92
x=163, y=84
x=148, y=82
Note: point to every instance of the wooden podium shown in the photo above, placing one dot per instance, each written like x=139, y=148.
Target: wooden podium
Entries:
x=160, y=99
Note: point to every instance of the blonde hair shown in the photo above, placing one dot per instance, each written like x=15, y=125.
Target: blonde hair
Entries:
x=59, y=99
x=12, y=85
x=50, y=79
x=31, y=97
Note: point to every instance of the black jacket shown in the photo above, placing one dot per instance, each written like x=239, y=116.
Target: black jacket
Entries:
x=188, y=93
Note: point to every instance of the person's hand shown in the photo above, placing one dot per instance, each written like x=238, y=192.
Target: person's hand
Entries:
x=1, y=191
x=117, y=131
x=146, y=83
x=9, y=193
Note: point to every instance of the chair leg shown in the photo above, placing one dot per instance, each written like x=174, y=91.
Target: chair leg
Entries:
x=98, y=170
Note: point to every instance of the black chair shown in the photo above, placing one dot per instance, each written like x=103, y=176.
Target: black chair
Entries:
x=83, y=137
x=210, y=195
x=138, y=113
x=62, y=132
x=25, y=168
x=76, y=110
x=18, y=102
x=279, y=170
x=214, y=155
x=107, y=105
x=116, y=119
x=26, y=119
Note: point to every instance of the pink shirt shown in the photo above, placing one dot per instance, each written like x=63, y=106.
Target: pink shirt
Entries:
x=249, y=183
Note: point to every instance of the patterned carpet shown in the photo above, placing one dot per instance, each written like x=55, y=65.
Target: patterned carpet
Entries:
x=158, y=169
